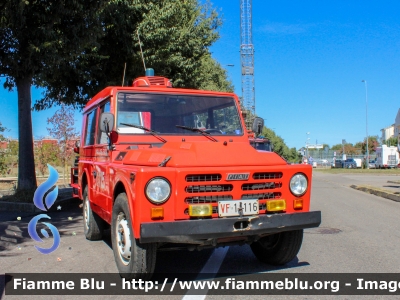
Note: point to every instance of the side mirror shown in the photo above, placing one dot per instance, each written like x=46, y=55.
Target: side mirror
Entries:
x=76, y=148
x=106, y=122
x=258, y=125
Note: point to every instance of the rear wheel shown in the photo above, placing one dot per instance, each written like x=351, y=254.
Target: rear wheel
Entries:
x=279, y=248
x=134, y=260
x=93, y=225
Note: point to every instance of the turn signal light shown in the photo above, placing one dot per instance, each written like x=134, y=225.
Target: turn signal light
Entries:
x=200, y=210
x=298, y=203
x=157, y=212
x=276, y=205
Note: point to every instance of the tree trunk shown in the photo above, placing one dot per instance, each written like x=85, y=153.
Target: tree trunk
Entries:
x=26, y=164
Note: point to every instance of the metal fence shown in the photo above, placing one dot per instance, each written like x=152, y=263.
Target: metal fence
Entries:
x=321, y=154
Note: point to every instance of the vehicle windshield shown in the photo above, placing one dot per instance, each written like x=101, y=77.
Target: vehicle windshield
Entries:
x=163, y=112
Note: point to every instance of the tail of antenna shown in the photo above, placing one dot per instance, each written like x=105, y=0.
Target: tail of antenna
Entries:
x=141, y=51
x=123, y=76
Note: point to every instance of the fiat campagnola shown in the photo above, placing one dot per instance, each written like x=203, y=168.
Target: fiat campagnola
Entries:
x=169, y=168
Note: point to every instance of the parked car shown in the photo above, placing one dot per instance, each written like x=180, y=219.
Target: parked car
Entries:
x=372, y=164
x=350, y=163
x=339, y=163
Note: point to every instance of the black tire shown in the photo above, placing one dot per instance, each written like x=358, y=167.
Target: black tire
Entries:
x=279, y=248
x=139, y=260
x=93, y=225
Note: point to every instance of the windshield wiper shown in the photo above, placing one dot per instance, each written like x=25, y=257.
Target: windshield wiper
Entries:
x=154, y=133
x=206, y=134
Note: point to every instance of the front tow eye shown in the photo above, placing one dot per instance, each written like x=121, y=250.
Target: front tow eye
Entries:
x=241, y=225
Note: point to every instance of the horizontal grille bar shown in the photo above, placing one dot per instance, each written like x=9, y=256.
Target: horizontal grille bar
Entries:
x=209, y=188
x=262, y=196
x=203, y=177
x=267, y=175
x=207, y=199
x=261, y=186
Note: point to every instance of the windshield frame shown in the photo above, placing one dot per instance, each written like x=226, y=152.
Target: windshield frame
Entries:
x=229, y=102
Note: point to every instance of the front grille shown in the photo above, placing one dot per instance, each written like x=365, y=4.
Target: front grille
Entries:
x=203, y=177
x=267, y=175
x=261, y=196
x=207, y=199
x=209, y=188
x=261, y=186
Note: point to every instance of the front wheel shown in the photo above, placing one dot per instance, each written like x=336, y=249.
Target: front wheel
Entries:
x=134, y=260
x=279, y=248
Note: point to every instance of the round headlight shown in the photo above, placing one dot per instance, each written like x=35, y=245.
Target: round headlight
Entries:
x=158, y=190
x=298, y=184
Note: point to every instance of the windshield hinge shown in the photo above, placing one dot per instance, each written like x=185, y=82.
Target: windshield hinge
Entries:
x=164, y=162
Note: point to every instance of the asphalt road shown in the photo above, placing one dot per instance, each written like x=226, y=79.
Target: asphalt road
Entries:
x=360, y=233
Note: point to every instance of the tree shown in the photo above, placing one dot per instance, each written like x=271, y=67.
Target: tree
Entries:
x=3, y=166
x=175, y=38
x=391, y=141
x=36, y=37
x=62, y=128
x=372, y=145
x=337, y=147
x=46, y=153
x=212, y=76
x=280, y=147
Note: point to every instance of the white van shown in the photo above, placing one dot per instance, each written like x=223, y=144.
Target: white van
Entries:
x=386, y=157
x=358, y=162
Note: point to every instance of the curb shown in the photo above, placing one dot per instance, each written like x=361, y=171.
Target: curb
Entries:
x=64, y=196
x=378, y=192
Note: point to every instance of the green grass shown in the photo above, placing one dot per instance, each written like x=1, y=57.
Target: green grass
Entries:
x=359, y=171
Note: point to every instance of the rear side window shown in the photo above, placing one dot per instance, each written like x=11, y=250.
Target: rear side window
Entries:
x=103, y=139
x=90, y=128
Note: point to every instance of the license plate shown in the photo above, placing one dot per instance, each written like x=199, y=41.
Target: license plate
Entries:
x=232, y=208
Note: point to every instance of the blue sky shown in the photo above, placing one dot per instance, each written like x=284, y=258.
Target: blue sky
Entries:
x=310, y=58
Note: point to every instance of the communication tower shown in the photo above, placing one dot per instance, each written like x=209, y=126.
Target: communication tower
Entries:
x=247, y=61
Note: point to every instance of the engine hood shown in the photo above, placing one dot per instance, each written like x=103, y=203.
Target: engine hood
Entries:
x=202, y=154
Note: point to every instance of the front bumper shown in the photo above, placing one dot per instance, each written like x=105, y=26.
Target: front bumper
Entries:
x=198, y=231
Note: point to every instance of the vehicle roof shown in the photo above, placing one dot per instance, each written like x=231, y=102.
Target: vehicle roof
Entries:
x=111, y=90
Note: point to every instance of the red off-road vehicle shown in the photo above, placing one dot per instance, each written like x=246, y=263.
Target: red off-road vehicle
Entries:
x=169, y=167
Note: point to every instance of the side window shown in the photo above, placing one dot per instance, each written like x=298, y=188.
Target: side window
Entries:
x=90, y=128
x=102, y=135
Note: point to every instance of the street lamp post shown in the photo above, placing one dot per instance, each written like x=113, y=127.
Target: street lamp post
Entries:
x=366, y=118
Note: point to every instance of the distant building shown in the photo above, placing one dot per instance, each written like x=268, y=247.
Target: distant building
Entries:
x=397, y=129
x=46, y=140
x=387, y=133
x=4, y=144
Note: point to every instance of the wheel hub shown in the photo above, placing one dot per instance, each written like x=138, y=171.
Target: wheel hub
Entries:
x=123, y=239
x=86, y=212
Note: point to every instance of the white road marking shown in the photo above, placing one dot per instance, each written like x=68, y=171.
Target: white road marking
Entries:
x=211, y=267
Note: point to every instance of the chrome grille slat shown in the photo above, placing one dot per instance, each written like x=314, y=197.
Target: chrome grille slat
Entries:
x=203, y=177
x=261, y=186
x=209, y=188
x=261, y=196
x=267, y=175
x=207, y=199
